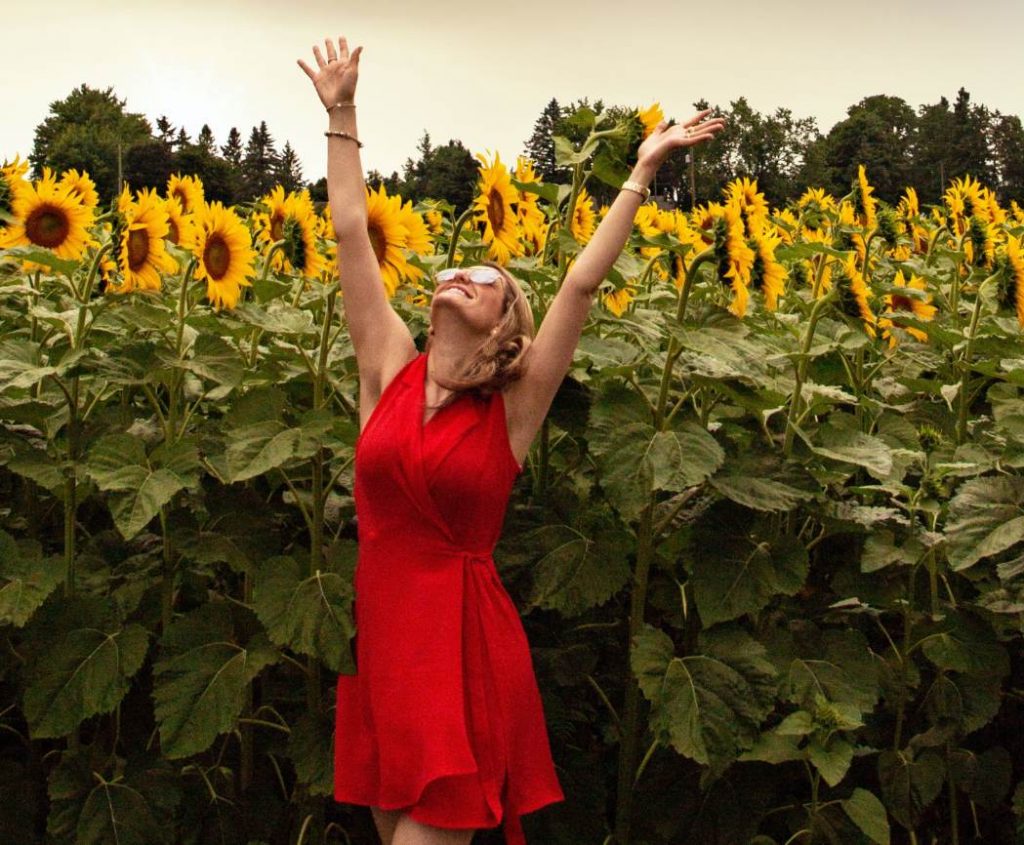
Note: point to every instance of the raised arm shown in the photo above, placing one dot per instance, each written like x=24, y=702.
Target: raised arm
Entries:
x=551, y=352
x=381, y=339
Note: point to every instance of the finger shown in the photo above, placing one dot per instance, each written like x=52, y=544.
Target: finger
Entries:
x=308, y=69
x=343, y=46
x=698, y=117
x=332, y=54
x=319, y=56
x=356, y=54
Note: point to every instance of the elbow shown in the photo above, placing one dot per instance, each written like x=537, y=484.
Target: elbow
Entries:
x=350, y=226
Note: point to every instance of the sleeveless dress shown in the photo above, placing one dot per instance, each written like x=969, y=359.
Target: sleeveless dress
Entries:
x=443, y=718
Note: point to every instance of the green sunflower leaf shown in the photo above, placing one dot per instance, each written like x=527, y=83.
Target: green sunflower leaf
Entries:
x=201, y=677
x=577, y=572
x=309, y=615
x=708, y=706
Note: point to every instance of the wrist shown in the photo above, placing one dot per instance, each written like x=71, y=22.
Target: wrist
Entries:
x=643, y=172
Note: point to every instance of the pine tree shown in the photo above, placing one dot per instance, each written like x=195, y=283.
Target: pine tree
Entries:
x=166, y=129
x=259, y=165
x=288, y=171
x=232, y=150
x=541, y=146
x=182, y=140
x=205, y=140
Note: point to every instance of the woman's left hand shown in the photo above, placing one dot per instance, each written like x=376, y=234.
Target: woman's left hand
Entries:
x=664, y=138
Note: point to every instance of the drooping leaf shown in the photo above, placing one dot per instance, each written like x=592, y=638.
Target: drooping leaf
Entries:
x=200, y=679
x=910, y=783
x=311, y=750
x=835, y=663
x=253, y=450
x=577, y=572
x=986, y=517
x=868, y=813
x=738, y=566
x=708, y=706
x=309, y=615
x=26, y=579
x=84, y=667
x=138, y=484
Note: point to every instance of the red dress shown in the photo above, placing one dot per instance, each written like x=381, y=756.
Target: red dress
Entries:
x=443, y=718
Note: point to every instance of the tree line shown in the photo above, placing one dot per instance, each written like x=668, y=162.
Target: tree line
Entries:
x=91, y=129
x=901, y=146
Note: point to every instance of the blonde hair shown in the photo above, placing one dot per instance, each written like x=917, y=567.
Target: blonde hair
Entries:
x=500, y=358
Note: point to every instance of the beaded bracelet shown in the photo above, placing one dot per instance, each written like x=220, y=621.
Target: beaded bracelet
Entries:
x=341, y=106
x=339, y=134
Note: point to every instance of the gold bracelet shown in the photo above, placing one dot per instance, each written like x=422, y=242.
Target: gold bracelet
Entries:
x=636, y=186
x=339, y=134
x=341, y=106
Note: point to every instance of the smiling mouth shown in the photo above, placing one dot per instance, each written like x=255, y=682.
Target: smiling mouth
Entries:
x=459, y=290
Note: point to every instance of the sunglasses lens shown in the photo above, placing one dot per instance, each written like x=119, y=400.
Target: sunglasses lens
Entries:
x=445, y=275
x=484, y=275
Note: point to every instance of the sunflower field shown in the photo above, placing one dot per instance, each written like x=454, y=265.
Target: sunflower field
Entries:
x=768, y=546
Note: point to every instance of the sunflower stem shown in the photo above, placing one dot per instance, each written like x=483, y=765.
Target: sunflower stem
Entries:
x=801, y=370
x=87, y=293
x=456, y=231
x=578, y=180
x=172, y=398
x=276, y=246
x=965, y=362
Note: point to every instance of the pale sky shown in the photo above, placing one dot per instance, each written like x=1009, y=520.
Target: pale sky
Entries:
x=483, y=72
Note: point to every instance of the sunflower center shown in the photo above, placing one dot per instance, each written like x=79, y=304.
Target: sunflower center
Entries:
x=47, y=226
x=277, y=226
x=172, y=232
x=182, y=197
x=138, y=248
x=217, y=257
x=496, y=210
x=379, y=242
x=901, y=303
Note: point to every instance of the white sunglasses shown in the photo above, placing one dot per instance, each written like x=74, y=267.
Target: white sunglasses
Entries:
x=477, y=275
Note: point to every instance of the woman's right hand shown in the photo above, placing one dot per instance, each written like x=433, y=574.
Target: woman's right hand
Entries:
x=335, y=79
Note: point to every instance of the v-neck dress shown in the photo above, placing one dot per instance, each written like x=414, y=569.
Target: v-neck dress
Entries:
x=443, y=718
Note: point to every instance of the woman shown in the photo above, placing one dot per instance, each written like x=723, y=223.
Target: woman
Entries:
x=441, y=730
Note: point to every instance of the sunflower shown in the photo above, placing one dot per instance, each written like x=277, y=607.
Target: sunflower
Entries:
x=181, y=227
x=786, y=225
x=11, y=182
x=979, y=245
x=908, y=207
x=495, y=212
x=1017, y=212
x=392, y=230
x=531, y=219
x=864, y=203
x=687, y=235
x=650, y=117
x=140, y=251
x=814, y=206
x=854, y=295
x=743, y=193
x=188, y=190
x=618, y=300
x=268, y=224
x=767, y=274
x=299, y=235
x=435, y=221
x=82, y=186
x=1011, y=291
x=583, y=217
x=48, y=215
x=226, y=257
x=896, y=302
x=734, y=256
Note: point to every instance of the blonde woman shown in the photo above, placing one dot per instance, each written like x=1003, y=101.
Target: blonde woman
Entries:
x=441, y=730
